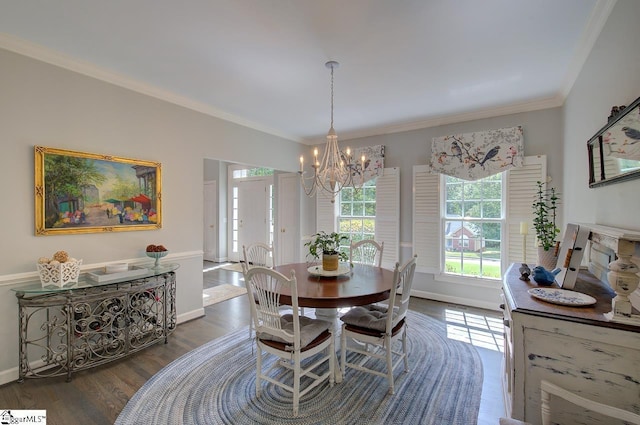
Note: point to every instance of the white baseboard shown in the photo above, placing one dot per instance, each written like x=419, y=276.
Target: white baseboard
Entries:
x=456, y=300
x=194, y=314
x=9, y=375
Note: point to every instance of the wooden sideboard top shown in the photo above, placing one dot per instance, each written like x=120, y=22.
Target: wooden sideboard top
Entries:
x=521, y=301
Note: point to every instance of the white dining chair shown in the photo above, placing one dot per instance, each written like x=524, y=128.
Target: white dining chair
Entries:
x=259, y=254
x=366, y=251
x=372, y=330
x=547, y=390
x=291, y=337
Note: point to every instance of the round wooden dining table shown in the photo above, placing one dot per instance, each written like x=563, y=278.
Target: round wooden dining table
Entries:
x=362, y=284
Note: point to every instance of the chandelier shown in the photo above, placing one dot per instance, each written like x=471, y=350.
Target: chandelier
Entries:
x=337, y=169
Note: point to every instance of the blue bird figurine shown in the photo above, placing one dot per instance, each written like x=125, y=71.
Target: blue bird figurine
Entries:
x=543, y=276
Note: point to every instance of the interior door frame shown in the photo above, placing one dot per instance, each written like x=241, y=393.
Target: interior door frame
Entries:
x=287, y=229
x=210, y=251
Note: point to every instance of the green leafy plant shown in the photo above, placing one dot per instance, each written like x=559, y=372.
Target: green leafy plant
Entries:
x=544, y=222
x=327, y=243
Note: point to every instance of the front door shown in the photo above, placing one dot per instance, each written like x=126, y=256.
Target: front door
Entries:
x=253, y=223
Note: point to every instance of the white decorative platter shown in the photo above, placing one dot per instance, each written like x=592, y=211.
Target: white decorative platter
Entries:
x=319, y=271
x=562, y=296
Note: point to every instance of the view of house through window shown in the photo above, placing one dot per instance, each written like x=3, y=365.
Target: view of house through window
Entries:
x=473, y=226
x=357, y=216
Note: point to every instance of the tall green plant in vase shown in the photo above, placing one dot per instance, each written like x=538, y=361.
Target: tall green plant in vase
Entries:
x=544, y=223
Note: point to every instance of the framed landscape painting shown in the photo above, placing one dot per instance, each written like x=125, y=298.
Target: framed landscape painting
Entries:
x=77, y=192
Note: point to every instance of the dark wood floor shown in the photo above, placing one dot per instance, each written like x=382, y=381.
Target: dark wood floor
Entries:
x=97, y=396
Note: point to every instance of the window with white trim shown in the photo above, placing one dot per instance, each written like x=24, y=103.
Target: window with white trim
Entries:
x=383, y=201
x=440, y=210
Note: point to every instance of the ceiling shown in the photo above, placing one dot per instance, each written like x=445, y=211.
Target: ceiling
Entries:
x=404, y=64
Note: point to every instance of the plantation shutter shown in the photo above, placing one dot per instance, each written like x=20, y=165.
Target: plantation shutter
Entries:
x=522, y=189
x=326, y=214
x=427, y=237
x=388, y=215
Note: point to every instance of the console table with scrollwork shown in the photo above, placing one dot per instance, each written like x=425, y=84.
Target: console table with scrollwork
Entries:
x=88, y=323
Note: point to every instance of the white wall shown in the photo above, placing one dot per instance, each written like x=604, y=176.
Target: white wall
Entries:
x=610, y=76
x=41, y=104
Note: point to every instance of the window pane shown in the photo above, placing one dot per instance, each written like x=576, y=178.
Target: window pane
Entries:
x=472, y=209
x=370, y=209
x=472, y=243
x=453, y=191
x=369, y=193
x=357, y=212
x=491, y=209
x=454, y=209
x=369, y=226
x=492, y=190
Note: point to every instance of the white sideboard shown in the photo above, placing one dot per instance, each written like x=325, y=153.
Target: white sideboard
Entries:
x=577, y=348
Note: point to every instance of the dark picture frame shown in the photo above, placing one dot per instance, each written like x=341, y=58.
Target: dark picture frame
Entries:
x=614, y=151
x=78, y=192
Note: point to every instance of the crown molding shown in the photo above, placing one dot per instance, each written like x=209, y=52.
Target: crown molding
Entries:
x=534, y=105
x=61, y=60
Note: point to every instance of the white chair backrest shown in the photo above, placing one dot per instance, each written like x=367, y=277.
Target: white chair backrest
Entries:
x=547, y=389
x=366, y=251
x=264, y=286
x=259, y=254
x=403, y=276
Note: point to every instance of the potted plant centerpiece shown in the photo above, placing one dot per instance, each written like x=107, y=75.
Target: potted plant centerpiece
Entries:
x=327, y=244
x=544, y=222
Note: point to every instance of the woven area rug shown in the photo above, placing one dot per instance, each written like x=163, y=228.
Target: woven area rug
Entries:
x=221, y=293
x=215, y=384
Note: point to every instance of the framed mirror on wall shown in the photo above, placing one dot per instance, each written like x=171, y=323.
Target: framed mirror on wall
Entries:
x=614, y=151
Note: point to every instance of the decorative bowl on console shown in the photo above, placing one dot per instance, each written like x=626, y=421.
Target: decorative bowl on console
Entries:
x=157, y=252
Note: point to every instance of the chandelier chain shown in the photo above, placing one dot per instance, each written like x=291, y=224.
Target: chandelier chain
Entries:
x=331, y=96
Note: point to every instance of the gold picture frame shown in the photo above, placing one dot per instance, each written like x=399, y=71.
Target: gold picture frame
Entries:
x=78, y=192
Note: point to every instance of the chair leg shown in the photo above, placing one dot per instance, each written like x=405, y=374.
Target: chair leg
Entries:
x=389, y=364
x=296, y=382
x=404, y=350
x=258, y=370
x=343, y=351
x=332, y=360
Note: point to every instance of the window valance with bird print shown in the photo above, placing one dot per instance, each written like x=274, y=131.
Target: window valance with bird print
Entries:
x=472, y=156
x=373, y=165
